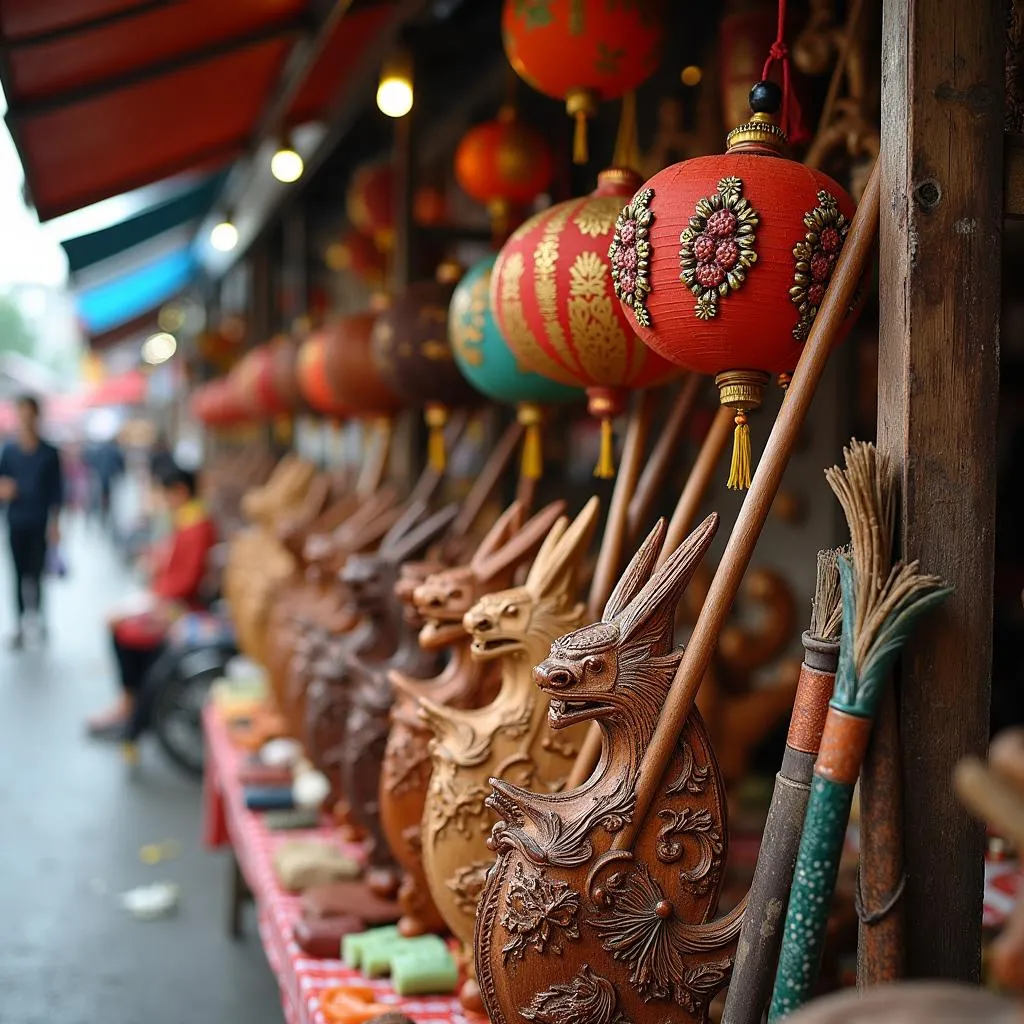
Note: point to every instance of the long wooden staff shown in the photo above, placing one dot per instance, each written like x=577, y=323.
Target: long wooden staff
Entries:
x=756, y=506
x=682, y=519
x=375, y=463
x=663, y=454
x=487, y=479
x=430, y=479
x=613, y=540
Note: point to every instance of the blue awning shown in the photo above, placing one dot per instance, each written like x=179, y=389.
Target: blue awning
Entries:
x=189, y=206
x=128, y=296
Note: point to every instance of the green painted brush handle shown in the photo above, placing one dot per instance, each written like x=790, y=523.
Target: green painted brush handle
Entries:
x=814, y=880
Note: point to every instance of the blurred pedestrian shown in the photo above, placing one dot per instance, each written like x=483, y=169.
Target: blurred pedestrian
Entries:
x=32, y=487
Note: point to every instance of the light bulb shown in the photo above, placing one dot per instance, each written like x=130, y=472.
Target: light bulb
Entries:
x=286, y=165
x=691, y=75
x=158, y=348
x=224, y=236
x=394, y=95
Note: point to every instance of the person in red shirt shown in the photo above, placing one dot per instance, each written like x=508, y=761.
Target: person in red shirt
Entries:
x=179, y=570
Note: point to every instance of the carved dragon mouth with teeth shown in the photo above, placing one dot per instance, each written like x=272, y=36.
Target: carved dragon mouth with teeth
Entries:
x=563, y=713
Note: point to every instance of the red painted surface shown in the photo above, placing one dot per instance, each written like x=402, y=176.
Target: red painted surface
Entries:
x=23, y=18
x=103, y=146
x=130, y=44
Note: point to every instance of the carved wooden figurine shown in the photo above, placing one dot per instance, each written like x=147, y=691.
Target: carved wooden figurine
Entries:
x=392, y=642
x=465, y=682
x=567, y=931
x=370, y=580
x=511, y=737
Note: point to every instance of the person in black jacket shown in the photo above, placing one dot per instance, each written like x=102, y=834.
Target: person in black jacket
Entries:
x=32, y=486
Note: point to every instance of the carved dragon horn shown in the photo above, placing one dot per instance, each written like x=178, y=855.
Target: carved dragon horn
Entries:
x=375, y=516
x=648, y=618
x=637, y=573
x=414, y=540
x=504, y=527
x=555, y=561
x=518, y=547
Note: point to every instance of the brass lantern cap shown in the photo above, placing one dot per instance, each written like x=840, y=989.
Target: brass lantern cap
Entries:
x=760, y=131
x=742, y=389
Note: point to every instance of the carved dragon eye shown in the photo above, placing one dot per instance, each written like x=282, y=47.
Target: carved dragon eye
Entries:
x=594, y=665
x=510, y=611
x=455, y=594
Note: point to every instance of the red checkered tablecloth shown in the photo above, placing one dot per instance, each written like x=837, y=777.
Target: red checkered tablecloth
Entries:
x=301, y=978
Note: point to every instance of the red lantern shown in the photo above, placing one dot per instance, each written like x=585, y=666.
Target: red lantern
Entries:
x=504, y=164
x=584, y=53
x=722, y=261
x=429, y=206
x=350, y=370
x=313, y=378
x=370, y=203
x=357, y=254
x=551, y=293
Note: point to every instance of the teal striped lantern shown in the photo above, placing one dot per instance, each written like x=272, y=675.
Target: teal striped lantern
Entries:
x=491, y=367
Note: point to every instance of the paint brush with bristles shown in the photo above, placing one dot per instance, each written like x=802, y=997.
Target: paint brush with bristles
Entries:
x=882, y=602
x=761, y=934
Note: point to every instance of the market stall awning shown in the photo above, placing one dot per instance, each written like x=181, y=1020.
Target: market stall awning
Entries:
x=133, y=295
x=189, y=206
x=129, y=388
x=105, y=96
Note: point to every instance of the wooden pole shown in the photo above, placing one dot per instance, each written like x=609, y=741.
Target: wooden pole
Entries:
x=938, y=372
x=754, y=511
x=663, y=454
x=682, y=518
x=613, y=540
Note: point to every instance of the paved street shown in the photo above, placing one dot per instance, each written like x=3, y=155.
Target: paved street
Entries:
x=71, y=824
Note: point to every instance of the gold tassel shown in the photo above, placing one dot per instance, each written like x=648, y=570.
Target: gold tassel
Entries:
x=532, y=465
x=627, y=147
x=580, y=154
x=739, y=470
x=436, y=417
x=605, y=469
x=283, y=429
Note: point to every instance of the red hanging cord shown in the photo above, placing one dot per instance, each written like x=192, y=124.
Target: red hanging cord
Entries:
x=791, y=121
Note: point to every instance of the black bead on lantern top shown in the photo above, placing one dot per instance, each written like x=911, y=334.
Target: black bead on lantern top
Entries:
x=761, y=133
x=765, y=98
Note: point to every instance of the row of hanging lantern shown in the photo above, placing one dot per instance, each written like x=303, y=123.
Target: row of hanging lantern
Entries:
x=716, y=265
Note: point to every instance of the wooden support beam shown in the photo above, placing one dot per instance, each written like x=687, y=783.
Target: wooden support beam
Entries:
x=940, y=239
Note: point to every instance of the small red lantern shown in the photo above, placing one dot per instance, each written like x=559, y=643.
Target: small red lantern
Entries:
x=313, y=378
x=357, y=254
x=722, y=261
x=370, y=203
x=551, y=293
x=504, y=164
x=583, y=53
x=429, y=206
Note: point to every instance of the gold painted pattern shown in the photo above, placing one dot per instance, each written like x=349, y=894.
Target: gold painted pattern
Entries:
x=545, y=258
x=599, y=339
x=597, y=216
x=467, y=325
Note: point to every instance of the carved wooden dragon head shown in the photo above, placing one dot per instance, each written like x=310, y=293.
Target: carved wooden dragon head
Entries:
x=620, y=669
x=445, y=597
x=371, y=579
x=522, y=621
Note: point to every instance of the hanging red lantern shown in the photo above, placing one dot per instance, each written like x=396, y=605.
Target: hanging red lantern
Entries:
x=370, y=201
x=429, y=206
x=721, y=262
x=551, y=293
x=313, y=378
x=350, y=370
x=411, y=348
x=504, y=164
x=358, y=255
x=583, y=53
